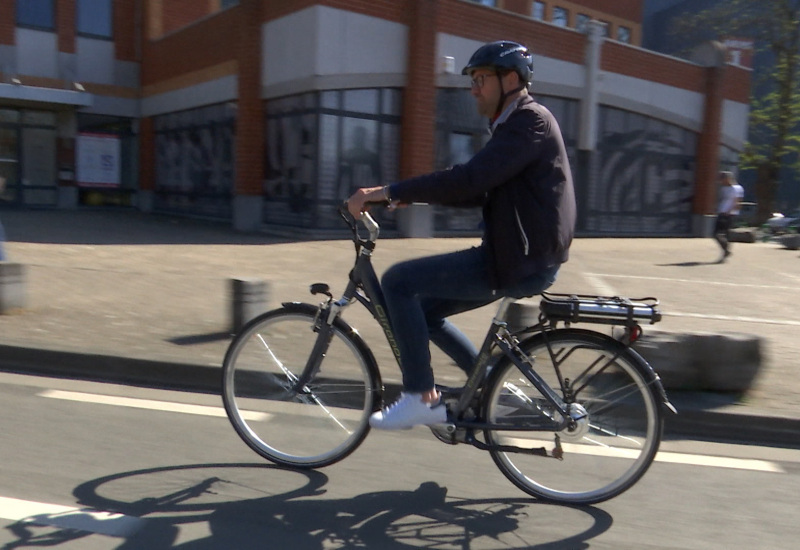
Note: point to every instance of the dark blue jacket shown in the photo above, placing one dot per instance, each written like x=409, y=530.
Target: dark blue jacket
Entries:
x=523, y=181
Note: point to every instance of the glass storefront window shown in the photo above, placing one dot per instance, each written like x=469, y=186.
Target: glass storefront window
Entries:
x=195, y=161
x=28, y=157
x=9, y=164
x=39, y=118
x=361, y=101
x=9, y=115
x=644, y=176
x=321, y=147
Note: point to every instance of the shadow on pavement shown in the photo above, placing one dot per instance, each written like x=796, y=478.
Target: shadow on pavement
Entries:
x=255, y=506
x=117, y=227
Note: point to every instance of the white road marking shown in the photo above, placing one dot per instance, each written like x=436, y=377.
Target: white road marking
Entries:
x=662, y=456
x=599, y=285
x=690, y=281
x=669, y=457
x=67, y=517
x=147, y=404
x=720, y=462
x=736, y=318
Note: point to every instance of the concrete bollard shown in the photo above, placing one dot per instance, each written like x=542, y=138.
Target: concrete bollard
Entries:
x=791, y=241
x=726, y=362
x=248, y=300
x=742, y=235
x=12, y=287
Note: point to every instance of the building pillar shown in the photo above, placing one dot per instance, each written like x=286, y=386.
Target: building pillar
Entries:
x=587, y=130
x=711, y=55
x=154, y=19
x=65, y=158
x=588, y=121
x=247, y=199
x=418, y=133
x=66, y=23
x=147, y=165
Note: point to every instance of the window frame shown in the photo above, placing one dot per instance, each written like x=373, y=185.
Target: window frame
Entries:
x=561, y=12
x=36, y=26
x=538, y=4
x=89, y=34
x=628, y=30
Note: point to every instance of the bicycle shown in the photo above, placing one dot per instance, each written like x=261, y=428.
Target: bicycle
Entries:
x=568, y=415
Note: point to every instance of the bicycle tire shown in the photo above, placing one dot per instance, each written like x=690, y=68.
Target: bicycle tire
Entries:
x=309, y=427
x=616, y=404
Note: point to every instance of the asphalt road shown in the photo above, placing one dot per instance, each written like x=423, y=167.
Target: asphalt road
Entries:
x=98, y=466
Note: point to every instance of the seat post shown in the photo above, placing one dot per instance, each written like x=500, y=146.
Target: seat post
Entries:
x=502, y=309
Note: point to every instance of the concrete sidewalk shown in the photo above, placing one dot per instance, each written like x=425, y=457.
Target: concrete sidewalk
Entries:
x=130, y=298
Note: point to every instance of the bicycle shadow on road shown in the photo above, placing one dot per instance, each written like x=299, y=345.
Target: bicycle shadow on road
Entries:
x=248, y=506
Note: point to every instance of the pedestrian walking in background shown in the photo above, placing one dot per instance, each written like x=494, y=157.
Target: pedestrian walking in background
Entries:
x=730, y=201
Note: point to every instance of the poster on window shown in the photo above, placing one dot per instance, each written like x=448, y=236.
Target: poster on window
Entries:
x=97, y=160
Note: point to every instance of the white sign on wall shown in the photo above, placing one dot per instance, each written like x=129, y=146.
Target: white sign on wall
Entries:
x=97, y=159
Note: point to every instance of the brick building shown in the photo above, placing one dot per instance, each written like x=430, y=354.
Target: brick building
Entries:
x=268, y=113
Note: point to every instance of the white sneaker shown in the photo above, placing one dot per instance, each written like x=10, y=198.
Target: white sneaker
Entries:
x=408, y=411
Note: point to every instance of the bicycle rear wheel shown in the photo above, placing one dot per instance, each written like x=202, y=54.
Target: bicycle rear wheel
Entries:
x=618, y=421
x=307, y=425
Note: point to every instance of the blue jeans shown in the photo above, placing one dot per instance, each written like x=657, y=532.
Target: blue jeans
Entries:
x=421, y=293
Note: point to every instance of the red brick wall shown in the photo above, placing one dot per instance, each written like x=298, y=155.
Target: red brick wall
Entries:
x=736, y=83
x=639, y=63
x=392, y=10
x=65, y=25
x=179, y=13
x=419, y=107
x=707, y=156
x=124, y=21
x=203, y=45
x=8, y=18
x=625, y=9
x=478, y=23
x=250, y=117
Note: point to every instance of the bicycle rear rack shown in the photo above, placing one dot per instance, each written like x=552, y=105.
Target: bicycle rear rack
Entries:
x=609, y=310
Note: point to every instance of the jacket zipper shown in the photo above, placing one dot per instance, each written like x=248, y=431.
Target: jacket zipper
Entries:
x=522, y=231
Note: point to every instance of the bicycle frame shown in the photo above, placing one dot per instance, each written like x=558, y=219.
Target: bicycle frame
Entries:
x=365, y=288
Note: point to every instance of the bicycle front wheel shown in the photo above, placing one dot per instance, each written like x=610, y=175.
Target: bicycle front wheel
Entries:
x=297, y=423
x=617, y=421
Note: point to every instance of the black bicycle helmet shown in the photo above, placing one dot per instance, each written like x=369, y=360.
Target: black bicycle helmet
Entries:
x=503, y=55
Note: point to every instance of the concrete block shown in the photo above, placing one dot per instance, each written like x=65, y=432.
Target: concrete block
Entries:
x=12, y=287
x=671, y=358
x=792, y=242
x=744, y=235
x=248, y=299
x=727, y=362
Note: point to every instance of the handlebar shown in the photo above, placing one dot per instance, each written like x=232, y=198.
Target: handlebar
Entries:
x=369, y=222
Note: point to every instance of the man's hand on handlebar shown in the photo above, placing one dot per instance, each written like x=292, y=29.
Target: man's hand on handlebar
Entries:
x=361, y=200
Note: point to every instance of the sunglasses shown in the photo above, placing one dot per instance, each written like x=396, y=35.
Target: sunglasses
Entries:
x=478, y=81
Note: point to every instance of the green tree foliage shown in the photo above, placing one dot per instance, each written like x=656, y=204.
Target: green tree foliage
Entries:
x=774, y=25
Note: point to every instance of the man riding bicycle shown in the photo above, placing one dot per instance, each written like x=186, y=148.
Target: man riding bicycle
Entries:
x=523, y=182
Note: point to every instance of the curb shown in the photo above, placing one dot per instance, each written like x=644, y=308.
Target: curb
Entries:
x=111, y=369
x=691, y=421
